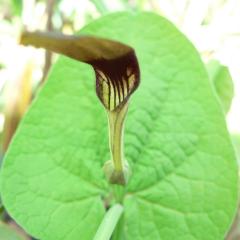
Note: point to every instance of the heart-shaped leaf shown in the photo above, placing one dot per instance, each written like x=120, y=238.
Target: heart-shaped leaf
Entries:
x=184, y=180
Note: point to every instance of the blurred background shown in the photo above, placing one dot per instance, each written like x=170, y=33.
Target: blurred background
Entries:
x=212, y=25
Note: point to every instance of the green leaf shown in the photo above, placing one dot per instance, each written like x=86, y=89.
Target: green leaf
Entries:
x=236, y=144
x=100, y=6
x=7, y=233
x=17, y=6
x=221, y=79
x=184, y=180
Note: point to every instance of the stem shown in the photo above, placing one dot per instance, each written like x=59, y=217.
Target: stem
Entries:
x=118, y=232
x=117, y=170
x=109, y=223
x=49, y=27
x=116, y=119
x=118, y=193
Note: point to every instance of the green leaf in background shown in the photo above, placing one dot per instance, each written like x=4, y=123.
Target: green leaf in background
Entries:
x=17, y=6
x=100, y=6
x=222, y=81
x=8, y=233
x=184, y=182
x=236, y=144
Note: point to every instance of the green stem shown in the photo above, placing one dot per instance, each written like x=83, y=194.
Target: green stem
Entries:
x=116, y=119
x=118, y=192
x=109, y=223
x=118, y=232
x=117, y=169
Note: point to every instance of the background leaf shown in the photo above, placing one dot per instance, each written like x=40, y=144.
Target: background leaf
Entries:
x=184, y=183
x=7, y=233
x=17, y=6
x=222, y=81
x=100, y=6
x=236, y=144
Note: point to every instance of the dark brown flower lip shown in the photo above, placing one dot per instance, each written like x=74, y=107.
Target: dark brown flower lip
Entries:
x=117, y=79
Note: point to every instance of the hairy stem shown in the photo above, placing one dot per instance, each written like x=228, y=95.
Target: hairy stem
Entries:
x=109, y=223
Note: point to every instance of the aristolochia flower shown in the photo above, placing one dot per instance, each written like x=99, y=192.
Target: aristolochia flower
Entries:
x=117, y=77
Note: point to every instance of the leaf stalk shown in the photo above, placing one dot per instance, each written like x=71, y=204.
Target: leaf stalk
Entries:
x=109, y=223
